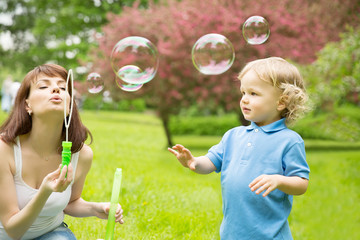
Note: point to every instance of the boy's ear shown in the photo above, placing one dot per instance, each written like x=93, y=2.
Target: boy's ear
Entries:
x=282, y=103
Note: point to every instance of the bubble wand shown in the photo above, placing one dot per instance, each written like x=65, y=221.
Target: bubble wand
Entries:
x=66, y=152
x=110, y=227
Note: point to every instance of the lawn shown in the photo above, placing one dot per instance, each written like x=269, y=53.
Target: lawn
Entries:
x=163, y=200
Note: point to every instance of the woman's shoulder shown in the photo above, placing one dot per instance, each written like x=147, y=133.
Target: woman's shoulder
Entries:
x=7, y=154
x=84, y=161
x=5, y=148
x=86, y=153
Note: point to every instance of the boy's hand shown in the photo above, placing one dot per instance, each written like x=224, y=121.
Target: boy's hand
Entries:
x=264, y=182
x=183, y=155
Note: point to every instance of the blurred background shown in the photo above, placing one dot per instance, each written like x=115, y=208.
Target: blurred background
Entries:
x=321, y=37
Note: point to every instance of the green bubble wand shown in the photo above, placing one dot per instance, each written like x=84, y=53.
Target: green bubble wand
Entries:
x=110, y=227
x=66, y=152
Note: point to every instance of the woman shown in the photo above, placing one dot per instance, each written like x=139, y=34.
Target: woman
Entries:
x=35, y=190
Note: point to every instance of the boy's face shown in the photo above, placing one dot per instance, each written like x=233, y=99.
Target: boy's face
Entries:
x=260, y=100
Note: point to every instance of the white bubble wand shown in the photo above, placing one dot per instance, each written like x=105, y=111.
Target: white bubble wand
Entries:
x=66, y=152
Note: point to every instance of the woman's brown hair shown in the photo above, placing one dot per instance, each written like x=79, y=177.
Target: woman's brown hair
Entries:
x=19, y=122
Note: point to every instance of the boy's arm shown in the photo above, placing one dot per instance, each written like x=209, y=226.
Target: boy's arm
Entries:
x=292, y=185
x=201, y=165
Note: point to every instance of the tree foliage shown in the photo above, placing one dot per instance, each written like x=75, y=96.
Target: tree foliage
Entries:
x=63, y=32
x=334, y=78
x=58, y=31
x=299, y=29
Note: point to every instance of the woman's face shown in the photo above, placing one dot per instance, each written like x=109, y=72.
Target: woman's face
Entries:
x=47, y=95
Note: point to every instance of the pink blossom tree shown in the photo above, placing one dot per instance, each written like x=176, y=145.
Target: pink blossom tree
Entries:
x=299, y=29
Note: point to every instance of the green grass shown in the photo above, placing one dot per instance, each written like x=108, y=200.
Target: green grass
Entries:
x=163, y=200
x=330, y=208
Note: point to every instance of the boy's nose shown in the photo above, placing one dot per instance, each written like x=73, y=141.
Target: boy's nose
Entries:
x=244, y=100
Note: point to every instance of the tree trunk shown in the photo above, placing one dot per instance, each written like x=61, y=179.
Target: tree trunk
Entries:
x=165, y=122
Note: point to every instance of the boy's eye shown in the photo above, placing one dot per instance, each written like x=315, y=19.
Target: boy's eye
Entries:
x=43, y=87
x=62, y=88
x=253, y=94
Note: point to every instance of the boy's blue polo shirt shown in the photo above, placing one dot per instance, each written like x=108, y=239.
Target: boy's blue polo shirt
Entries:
x=245, y=153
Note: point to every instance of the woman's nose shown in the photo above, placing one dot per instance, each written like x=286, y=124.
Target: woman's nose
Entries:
x=56, y=90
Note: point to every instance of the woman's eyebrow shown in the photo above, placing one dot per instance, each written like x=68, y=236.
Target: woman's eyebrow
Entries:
x=48, y=80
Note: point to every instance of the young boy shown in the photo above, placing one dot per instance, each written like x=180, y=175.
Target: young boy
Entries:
x=265, y=157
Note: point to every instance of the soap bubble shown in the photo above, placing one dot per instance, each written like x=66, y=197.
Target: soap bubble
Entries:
x=127, y=87
x=127, y=72
x=95, y=83
x=130, y=74
x=256, y=30
x=135, y=51
x=213, y=54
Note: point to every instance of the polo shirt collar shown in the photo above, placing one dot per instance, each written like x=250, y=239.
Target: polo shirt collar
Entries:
x=272, y=127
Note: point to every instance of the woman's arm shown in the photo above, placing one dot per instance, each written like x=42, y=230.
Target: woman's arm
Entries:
x=15, y=221
x=77, y=206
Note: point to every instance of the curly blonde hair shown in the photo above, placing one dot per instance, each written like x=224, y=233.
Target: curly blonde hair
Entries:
x=288, y=79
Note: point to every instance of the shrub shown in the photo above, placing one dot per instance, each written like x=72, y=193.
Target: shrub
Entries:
x=343, y=124
x=96, y=103
x=203, y=125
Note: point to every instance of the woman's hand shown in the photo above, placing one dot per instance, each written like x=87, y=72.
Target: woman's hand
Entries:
x=59, y=180
x=183, y=155
x=102, y=211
